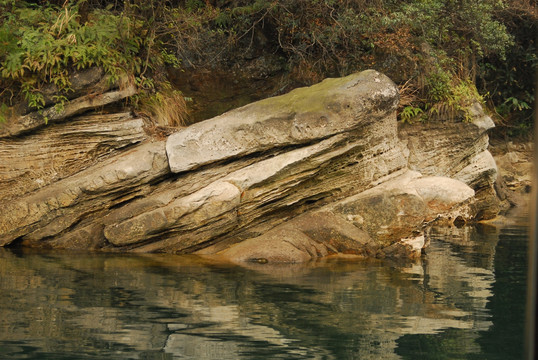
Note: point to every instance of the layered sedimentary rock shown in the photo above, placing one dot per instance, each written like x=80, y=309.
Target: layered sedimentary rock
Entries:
x=458, y=150
x=316, y=172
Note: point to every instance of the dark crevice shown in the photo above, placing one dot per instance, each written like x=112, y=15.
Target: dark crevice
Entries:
x=15, y=244
x=122, y=203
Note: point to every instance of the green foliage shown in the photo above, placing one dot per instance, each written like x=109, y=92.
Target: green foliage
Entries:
x=464, y=94
x=42, y=45
x=511, y=105
x=445, y=96
x=456, y=25
x=410, y=113
x=514, y=107
x=170, y=59
x=438, y=85
x=193, y=5
x=510, y=82
x=514, y=104
x=4, y=112
x=441, y=49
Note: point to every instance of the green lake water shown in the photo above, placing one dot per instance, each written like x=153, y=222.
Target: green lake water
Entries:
x=464, y=300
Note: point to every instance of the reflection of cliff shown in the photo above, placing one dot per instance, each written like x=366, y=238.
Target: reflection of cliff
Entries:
x=114, y=306
x=466, y=254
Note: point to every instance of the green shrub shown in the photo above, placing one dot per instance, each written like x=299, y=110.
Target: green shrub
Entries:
x=41, y=45
x=440, y=49
x=445, y=96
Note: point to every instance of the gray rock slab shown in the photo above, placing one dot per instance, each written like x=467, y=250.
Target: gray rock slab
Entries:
x=320, y=171
x=479, y=171
x=445, y=148
x=301, y=116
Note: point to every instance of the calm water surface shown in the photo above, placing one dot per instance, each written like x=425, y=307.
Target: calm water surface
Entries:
x=463, y=300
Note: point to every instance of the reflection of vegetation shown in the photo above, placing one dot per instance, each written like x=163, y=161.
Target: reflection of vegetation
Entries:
x=449, y=344
x=511, y=261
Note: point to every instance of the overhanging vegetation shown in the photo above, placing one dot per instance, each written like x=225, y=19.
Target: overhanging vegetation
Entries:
x=443, y=54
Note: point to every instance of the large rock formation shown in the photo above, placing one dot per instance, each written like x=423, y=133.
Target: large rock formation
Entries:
x=316, y=172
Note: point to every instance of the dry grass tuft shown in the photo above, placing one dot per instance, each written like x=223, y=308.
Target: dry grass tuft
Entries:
x=164, y=108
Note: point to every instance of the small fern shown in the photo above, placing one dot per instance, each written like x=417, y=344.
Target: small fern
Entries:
x=410, y=113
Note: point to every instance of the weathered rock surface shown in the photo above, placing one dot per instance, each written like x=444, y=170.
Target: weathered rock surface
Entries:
x=458, y=150
x=38, y=148
x=61, y=150
x=98, y=92
x=304, y=115
x=50, y=211
x=365, y=224
x=316, y=172
x=515, y=162
x=452, y=148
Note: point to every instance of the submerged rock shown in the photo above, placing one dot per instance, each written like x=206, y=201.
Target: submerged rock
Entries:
x=319, y=171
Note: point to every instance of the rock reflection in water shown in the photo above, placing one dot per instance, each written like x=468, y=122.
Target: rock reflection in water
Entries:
x=163, y=306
